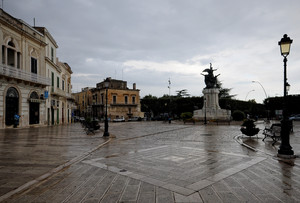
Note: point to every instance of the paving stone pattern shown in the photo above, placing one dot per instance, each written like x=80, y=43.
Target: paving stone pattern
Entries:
x=157, y=162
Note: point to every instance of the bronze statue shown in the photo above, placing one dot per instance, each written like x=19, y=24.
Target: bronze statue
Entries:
x=209, y=79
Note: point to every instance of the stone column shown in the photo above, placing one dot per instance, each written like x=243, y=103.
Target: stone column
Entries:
x=212, y=98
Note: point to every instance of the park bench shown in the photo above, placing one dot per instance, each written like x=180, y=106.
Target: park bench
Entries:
x=272, y=132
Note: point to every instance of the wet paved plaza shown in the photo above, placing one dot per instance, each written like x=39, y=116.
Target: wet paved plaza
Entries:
x=147, y=162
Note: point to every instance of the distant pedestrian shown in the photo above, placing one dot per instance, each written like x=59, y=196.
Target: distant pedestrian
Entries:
x=16, y=119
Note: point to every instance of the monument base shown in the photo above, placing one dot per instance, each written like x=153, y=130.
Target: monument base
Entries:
x=211, y=109
x=212, y=114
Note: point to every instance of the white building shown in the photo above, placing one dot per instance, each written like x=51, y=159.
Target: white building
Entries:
x=59, y=100
x=31, y=78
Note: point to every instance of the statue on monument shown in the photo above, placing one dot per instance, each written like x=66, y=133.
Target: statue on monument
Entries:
x=209, y=79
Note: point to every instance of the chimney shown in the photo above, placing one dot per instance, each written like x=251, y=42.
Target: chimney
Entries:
x=134, y=86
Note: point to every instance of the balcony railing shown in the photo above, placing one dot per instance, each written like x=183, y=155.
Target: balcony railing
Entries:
x=15, y=73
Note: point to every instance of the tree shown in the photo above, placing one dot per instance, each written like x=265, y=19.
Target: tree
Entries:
x=224, y=92
x=182, y=93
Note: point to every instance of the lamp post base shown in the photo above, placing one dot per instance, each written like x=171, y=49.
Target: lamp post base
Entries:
x=283, y=156
x=285, y=152
x=106, y=134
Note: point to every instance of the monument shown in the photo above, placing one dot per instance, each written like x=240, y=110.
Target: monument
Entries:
x=211, y=109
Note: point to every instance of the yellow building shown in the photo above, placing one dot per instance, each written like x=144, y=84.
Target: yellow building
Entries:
x=83, y=101
x=121, y=101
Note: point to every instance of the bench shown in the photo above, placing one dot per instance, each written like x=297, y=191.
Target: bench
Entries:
x=272, y=132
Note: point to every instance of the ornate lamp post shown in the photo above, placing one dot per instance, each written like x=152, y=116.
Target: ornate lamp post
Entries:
x=285, y=149
x=106, y=133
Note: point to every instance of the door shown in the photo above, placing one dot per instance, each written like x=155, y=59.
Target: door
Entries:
x=34, y=109
x=12, y=105
x=34, y=115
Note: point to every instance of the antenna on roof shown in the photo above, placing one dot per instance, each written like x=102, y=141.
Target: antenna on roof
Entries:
x=33, y=22
x=2, y=5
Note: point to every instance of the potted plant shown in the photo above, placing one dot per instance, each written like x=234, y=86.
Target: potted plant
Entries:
x=248, y=128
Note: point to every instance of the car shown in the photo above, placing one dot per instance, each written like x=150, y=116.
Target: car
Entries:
x=135, y=119
x=119, y=119
x=295, y=117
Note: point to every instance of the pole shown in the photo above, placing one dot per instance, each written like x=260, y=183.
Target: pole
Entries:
x=285, y=148
x=106, y=133
x=205, y=121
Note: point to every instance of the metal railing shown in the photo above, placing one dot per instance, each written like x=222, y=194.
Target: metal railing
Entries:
x=16, y=73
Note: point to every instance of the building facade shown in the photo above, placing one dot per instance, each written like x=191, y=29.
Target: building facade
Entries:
x=83, y=101
x=121, y=101
x=22, y=73
x=28, y=59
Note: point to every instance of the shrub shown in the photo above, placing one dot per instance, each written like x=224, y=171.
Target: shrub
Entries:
x=238, y=115
x=186, y=115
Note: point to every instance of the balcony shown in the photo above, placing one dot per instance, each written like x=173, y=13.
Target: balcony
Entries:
x=58, y=92
x=14, y=73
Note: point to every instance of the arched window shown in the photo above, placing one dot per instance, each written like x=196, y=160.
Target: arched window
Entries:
x=10, y=54
x=34, y=95
x=12, y=92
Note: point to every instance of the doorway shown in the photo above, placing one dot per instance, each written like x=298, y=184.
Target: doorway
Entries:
x=12, y=105
x=34, y=109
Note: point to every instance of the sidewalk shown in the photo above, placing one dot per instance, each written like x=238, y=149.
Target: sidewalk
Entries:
x=159, y=162
x=31, y=154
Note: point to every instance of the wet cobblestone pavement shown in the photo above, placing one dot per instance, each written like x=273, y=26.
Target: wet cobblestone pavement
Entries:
x=149, y=162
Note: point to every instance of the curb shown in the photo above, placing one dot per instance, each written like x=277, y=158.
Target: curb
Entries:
x=237, y=138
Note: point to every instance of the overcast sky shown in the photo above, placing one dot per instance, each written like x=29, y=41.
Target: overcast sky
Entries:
x=148, y=42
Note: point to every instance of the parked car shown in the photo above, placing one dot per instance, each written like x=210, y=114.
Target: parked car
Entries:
x=135, y=119
x=120, y=119
x=295, y=117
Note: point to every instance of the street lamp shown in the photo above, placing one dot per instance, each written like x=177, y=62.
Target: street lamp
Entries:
x=285, y=149
x=261, y=87
x=248, y=94
x=106, y=133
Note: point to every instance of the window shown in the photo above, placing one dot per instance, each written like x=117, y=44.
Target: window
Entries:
x=63, y=85
x=114, y=99
x=52, y=54
x=18, y=60
x=33, y=65
x=3, y=54
x=126, y=99
x=57, y=82
x=10, y=57
x=102, y=98
x=68, y=88
x=52, y=78
x=133, y=100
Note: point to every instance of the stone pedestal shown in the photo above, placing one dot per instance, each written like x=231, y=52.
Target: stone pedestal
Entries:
x=211, y=109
